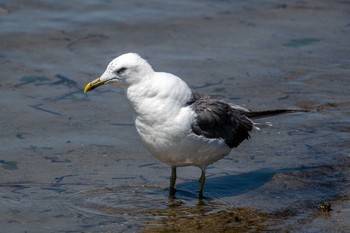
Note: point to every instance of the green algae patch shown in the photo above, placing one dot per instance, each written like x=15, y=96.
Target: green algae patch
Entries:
x=296, y=43
x=8, y=165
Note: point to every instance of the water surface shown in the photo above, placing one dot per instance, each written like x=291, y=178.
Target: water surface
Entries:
x=73, y=162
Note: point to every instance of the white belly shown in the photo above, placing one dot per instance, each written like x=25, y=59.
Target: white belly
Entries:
x=174, y=143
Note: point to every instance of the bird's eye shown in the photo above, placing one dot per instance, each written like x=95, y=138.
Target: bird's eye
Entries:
x=121, y=70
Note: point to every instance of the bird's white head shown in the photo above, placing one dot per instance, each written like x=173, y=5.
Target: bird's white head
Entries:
x=123, y=71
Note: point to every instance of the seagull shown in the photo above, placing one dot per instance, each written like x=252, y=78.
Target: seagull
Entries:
x=179, y=126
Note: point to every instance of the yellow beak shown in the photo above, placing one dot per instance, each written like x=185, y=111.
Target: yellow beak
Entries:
x=93, y=84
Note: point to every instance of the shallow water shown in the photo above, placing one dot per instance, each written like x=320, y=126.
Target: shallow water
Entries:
x=73, y=162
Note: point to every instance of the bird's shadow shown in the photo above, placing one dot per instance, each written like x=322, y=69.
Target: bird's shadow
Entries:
x=232, y=185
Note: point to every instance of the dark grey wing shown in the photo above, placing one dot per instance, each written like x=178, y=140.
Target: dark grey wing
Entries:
x=217, y=119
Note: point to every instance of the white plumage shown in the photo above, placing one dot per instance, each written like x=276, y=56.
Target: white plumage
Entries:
x=164, y=123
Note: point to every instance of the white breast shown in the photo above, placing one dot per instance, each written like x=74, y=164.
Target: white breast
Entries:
x=164, y=123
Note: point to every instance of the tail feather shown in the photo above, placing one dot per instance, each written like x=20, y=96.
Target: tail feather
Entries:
x=269, y=113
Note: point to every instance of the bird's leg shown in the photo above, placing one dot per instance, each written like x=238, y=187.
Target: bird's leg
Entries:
x=201, y=184
x=172, y=190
